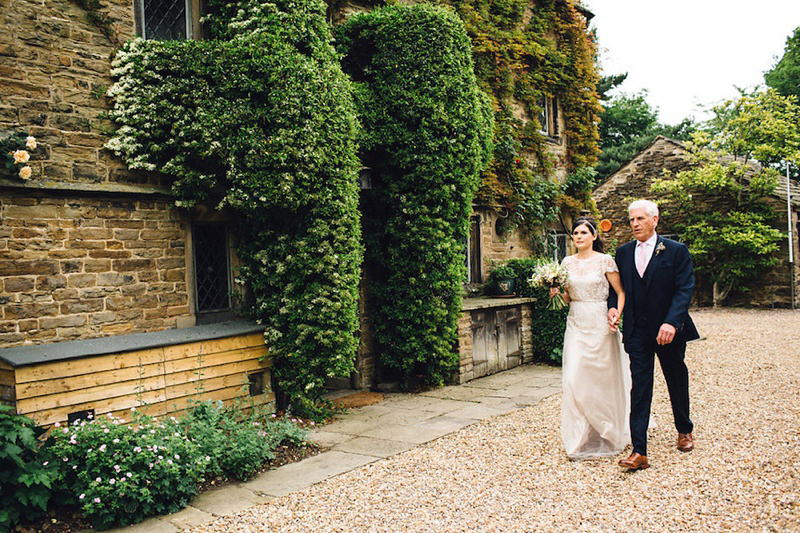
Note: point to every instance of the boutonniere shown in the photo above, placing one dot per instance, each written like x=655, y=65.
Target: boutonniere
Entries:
x=660, y=248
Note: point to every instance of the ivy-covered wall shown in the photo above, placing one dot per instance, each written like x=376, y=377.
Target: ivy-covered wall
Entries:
x=260, y=119
x=526, y=51
x=426, y=135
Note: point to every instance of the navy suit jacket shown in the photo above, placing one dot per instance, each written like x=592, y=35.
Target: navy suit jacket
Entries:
x=668, y=281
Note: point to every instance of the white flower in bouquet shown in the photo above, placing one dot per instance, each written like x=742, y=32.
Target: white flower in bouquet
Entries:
x=551, y=274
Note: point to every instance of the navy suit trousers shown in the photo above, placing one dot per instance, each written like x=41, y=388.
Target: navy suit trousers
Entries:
x=642, y=349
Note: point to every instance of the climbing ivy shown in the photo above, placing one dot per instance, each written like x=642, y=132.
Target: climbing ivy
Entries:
x=261, y=120
x=524, y=51
x=426, y=135
x=95, y=12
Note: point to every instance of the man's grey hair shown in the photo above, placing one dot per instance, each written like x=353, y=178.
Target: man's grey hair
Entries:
x=651, y=208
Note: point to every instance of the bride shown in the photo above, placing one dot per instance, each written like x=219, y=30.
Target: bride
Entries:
x=595, y=368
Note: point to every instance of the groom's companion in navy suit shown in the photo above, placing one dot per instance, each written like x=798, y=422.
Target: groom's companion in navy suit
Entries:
x=658, y=280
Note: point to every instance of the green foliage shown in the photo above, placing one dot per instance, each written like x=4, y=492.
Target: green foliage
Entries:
x=25, y=481
x=237, y=445
x=121, y=473
x=426, y=134
x=548, y=325
x=784, y=75
x=524, y=53
x=719, y=203
x=628, y=125
x=764, y=126
x=261, y=121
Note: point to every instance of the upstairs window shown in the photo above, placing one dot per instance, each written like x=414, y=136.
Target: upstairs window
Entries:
x=165, y=20
x=548, y=116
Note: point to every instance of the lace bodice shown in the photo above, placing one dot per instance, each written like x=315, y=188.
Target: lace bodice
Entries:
x=587, y=281
x=588, y=290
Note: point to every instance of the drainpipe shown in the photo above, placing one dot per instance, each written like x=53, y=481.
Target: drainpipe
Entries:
x=791, y=233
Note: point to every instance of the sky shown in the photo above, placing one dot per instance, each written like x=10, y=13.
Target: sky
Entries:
x=691, y=53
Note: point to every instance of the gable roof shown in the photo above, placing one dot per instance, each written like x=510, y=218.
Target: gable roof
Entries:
x=670, y=152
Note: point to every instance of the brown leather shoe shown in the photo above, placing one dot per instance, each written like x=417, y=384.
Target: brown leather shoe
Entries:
x=636, y=461
x=685, y=442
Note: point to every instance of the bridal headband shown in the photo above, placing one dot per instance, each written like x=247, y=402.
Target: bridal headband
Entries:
x=588, y=223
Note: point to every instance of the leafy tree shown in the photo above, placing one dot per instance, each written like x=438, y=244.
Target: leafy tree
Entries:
x=784, y=77
x=627, y=125
x=720, y=202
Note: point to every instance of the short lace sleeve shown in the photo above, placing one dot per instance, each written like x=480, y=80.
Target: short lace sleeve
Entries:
x=609, y=265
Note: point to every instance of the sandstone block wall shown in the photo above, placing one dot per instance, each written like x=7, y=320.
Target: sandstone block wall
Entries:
x=497, y=247
x=54, y=71
x=80, y=268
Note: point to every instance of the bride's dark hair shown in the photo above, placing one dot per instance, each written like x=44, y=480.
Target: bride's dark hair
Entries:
x=589, y=222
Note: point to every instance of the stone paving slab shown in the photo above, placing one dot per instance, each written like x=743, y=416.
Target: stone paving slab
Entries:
x=227, y=500
x=428, y=403
x=478, y=411
x=297, y=476
x=353, y=426
x=406, y=417
x=410, y=434
x=189, y=517
x=448, y=424
x=328, y=439
x=151, y=525
x=455, y=392
x=374, y=447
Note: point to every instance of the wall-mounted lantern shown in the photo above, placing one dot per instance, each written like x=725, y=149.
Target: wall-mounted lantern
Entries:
x=365, y=175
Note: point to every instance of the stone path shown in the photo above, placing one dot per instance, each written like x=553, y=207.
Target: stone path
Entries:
x=367, y=434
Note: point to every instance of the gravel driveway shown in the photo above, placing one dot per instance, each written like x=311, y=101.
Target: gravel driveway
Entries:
x=509, y=474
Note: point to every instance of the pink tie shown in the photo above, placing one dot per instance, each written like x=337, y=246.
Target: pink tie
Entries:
x=641, y=258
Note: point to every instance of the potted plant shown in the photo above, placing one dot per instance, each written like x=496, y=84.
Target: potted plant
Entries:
x=501, y=280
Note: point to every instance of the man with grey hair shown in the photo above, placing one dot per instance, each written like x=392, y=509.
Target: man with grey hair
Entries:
x=658, y=280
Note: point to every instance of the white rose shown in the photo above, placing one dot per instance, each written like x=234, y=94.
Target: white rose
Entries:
x=25, y=172
x=30, y=143
x=21, y=156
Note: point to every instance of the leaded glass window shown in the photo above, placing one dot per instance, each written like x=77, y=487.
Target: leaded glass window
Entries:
x=165, y=19
x=211, y=267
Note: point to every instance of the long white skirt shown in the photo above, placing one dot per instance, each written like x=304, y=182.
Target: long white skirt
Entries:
x=596, y=385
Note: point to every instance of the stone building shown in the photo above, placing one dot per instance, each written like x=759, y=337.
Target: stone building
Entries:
x=110, y=296
x=633, y=181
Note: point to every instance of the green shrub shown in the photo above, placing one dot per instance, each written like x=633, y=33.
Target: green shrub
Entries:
x=118, y=473
x=237, y=445
x=25, y=479
x=548, y=326
x=427, y=135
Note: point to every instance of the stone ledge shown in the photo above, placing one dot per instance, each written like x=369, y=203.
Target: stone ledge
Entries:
x=19, y=356
x=471, y=304
x=71, y=186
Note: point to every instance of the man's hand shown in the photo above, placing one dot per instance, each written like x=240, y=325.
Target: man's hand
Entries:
x=665, y=334
x=613, y=319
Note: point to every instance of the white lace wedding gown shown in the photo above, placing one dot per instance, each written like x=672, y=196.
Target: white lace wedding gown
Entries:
x=595, y=369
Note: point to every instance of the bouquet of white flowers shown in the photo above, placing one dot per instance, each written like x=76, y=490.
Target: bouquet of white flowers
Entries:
x=550, y=274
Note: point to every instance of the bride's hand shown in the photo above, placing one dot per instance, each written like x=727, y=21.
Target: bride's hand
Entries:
x=554, y=291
